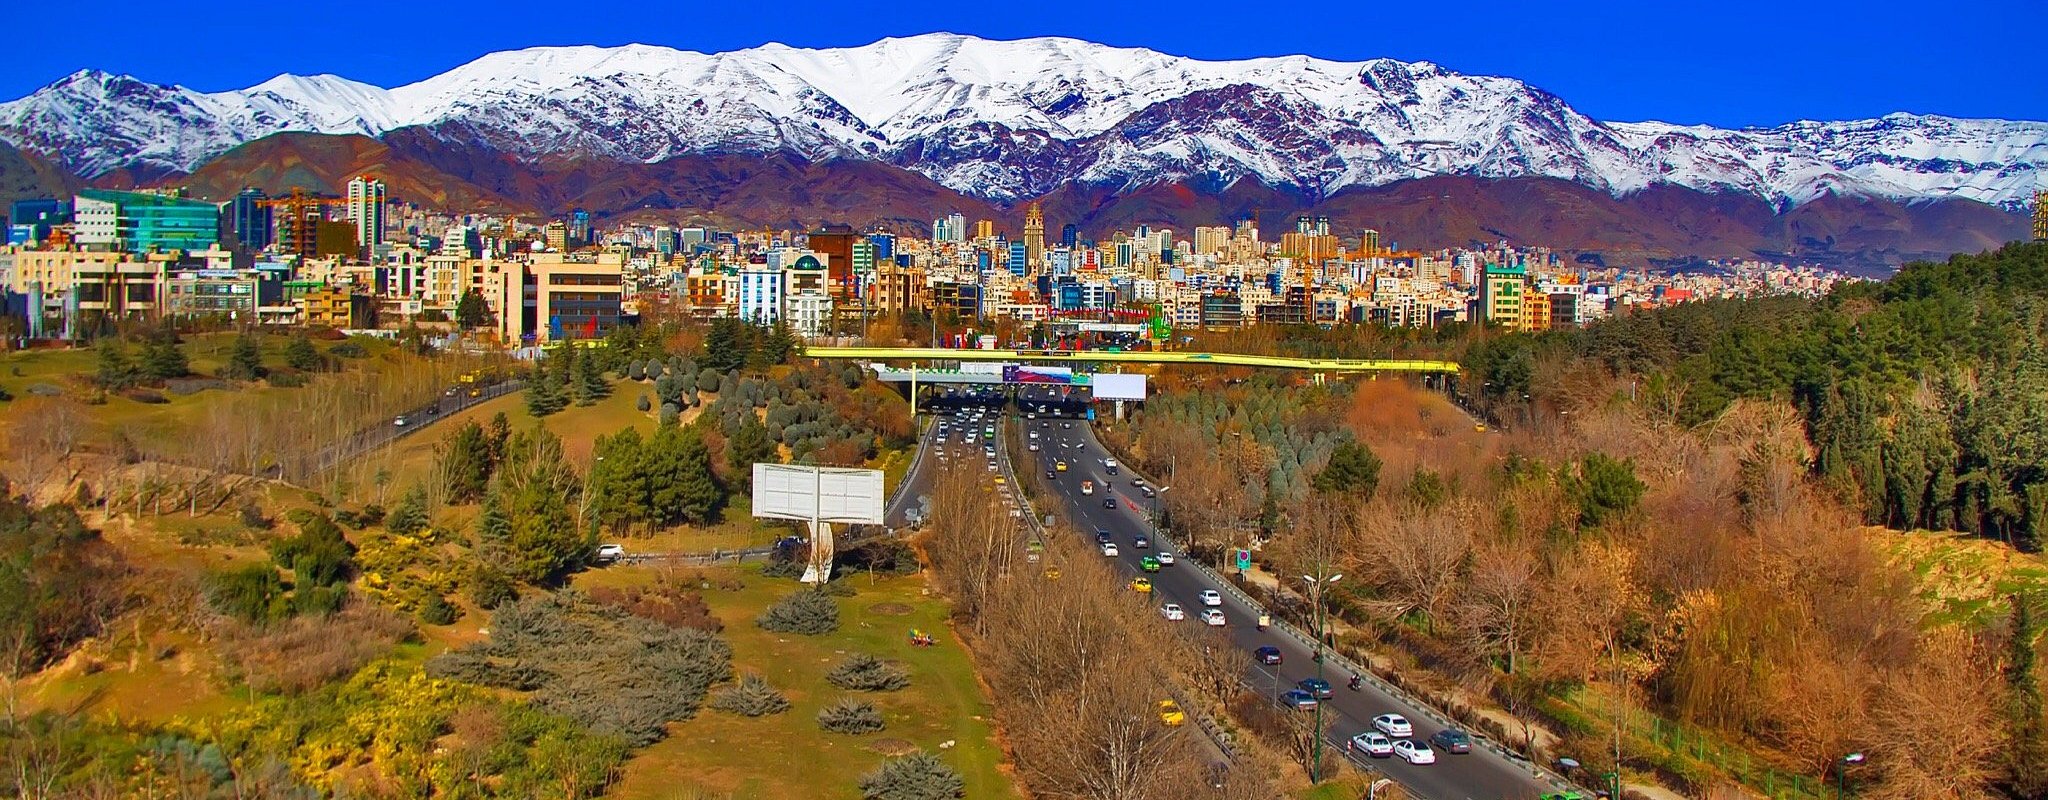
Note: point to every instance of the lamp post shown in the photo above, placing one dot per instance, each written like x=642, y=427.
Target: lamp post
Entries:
x=1316, y=586
x=1842, y=773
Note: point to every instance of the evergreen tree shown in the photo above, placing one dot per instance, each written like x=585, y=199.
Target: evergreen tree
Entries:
x=494, y=438
x=410, y=516
x=116, y=371
x=162, y=360
x=682, y=488
x=2027, y=753
x=471, y=312
x=466, y=463
x=492, y=526
x=749, y=445
x=546, y=393
x=618, y=481
x=589, y=383
x=726, y=346
x=1353, y=468
x=538, y=489
x=300, y=355
x=245, y=360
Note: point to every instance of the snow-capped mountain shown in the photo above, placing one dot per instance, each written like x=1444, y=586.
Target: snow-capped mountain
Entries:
x=1012, y=119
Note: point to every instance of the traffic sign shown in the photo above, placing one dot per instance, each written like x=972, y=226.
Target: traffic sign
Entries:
x=1244, y=560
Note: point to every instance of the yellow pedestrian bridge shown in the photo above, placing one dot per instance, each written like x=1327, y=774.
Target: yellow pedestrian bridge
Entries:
x=1199, y=359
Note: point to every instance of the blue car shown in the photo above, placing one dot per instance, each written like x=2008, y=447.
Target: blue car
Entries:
x=1314, y=686
x=1268, y=655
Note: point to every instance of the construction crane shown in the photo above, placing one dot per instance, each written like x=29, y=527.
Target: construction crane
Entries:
x=302, y=213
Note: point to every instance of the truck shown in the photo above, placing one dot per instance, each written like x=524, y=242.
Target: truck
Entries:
x=1087, y=487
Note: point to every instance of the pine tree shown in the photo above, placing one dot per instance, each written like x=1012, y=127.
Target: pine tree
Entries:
x=471, y=312
x=410, y=516
x=726, y=346
x=162, y=360
x=2027, y=754
x=245, y=361
x=547, y=393
x=116, y=371
x=466, y=463
x=590, y=385
x=494, y=439
x=749, y=445
x=491, y=524
x=300, y=355
x=1353, y=468
x=619, y=480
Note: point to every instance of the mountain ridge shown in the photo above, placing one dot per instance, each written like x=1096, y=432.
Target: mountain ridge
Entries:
x=1005, y=120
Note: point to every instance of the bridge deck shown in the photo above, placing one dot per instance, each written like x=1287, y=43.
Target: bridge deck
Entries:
x=1212, y=359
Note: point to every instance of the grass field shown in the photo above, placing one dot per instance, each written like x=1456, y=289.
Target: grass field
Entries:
x=1962, y=578
x=786, y=755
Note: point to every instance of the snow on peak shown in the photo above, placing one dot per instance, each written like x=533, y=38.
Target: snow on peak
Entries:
x=1012, y=118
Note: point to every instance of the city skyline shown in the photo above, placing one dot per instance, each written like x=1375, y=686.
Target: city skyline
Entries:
x=1761, y=65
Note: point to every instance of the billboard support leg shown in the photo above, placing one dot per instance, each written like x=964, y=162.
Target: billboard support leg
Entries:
x=820, y=569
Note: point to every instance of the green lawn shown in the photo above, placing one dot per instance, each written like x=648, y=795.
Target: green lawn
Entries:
x=786, y=755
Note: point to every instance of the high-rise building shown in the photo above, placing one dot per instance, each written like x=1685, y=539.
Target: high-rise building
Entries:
x=366, y=210
x=1211, y=240
x=1034, y=238
x=1020, y=258
x=1501, y=295
x=555, y=235
x=579, y=227
x=1069, y=234
x=835, y=242
x=984, y=229
x=249, y=218
x=1369, y=242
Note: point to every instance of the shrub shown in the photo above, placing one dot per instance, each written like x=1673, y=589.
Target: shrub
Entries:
x=319, y=601
x=488, y=587
x=304, y=654
x=438, y=611
x=643, y=404
x=850, y=716
x=252, y=594
x=669, y=605
x=918, y=776
x=285, y=380
x=148, y=396
x=861, y=672
x=371, y=514
x=253, y=518
x=751, y=697
x=808, y=612
x=348, y=349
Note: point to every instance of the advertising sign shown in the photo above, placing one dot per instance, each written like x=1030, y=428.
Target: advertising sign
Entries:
x=1016, y=373
x=821, y=494
x=1119, y=387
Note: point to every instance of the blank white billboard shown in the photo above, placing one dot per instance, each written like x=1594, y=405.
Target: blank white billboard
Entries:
x=825, y=494
x=1110, y=386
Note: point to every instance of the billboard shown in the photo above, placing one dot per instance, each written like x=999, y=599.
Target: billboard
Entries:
x=824, y=494
x=1119, y=387
x=1014, y=373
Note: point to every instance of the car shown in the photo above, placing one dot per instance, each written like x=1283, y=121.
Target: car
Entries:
x=1268, y=655
x=1393, y=725
x=1561, y=796
x=1066, y=426
x=1137, y=483
x=1141, y=585
x=1314, y=686
x=1051, y=475
x=1451, y=740
x=1109, y=502
x=1059, y=466
x=1111, y=469
x=608, y=553
x=1479, y=428
x=435, y=408
x=1147, y=491
x=1087, y=487
x=400, y=422
x=1033, y=447
x=1148, y=564
x=1298, y=700
x=1142, y=543
x=1171, y=715
x=1373, y=743
x=1173, y=611
x=1210, y=597
x=1109, y=550
x=1034, y=434
x=1101, y=537
x=1414, y=752
x=1212, y=617
x=1165, y=559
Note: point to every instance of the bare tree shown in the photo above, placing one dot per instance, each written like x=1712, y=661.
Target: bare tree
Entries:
x=1412, y=555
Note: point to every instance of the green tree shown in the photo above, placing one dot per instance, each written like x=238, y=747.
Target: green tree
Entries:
x=1605, y=487
x=751, y=444
x=726, y=346
x=492, y=526
x=918, y=776
x=162, y=360
x=245, y=360
x=619, y=480
x=1353, y=468
x=546, y=392
x=116, y=370
x=682, y=488
x=253, y=594
x=588, y=382
x=2026, y=754
x=410, y=515
x=495, y=437
x=471, y=311
x=539, y=488
x=300, y=355
x=466, y=463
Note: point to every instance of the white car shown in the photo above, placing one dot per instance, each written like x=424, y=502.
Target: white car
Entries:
x=1212, y=617
x=1034, y=447
x=1109, y=550
x=1373, y=743
x=400, y=422
x=1393, y=725
x=1165, y=558
x=1210, y=597
x=608, y=553
x=1034, y=434
x=1414, y=752
x=1173, y=612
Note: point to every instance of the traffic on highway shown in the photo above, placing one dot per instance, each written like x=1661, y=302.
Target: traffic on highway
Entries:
x=1114, y=507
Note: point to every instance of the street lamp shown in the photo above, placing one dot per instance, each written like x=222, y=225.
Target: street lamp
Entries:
x=1156, y=493
x=1842, y=773
x=1317, y=585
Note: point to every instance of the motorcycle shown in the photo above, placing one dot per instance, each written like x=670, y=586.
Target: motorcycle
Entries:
x=1355, y=683
x=1263, y=621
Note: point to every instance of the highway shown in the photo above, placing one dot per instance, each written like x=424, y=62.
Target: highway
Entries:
x=387, y=431
x=1199, y=359
x=1482, y=775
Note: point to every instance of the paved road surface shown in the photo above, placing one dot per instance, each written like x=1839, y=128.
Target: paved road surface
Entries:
x=387, y=431
x=1482, y=775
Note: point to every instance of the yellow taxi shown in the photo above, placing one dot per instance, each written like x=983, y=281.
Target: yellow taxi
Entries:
x=1060, y=466
x=1141, y=585
x=1170, y=713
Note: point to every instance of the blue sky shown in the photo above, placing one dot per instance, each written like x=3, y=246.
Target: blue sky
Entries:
x=1725, y=62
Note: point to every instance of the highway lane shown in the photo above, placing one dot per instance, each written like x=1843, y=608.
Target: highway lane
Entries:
x=388, y=431
x=1482, y=775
